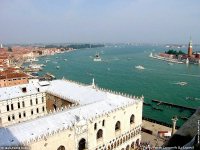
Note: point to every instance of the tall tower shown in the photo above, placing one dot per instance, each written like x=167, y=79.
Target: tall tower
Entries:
x=1, y=46
x=190, y=48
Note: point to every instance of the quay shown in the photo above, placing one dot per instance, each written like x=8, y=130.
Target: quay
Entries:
x=171, y=104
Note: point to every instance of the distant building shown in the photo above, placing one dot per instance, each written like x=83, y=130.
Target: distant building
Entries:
x=10, y=77
x=190, y=49
x=67, y=115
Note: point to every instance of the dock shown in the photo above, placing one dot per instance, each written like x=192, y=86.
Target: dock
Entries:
x=173, y=105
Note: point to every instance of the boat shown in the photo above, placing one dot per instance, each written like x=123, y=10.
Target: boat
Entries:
x=97, y=57
x=65, y=59
x=181, y=83
x=49, y=76
x=57, y=67
x=150, y=55
x=139, y=67
x=192, y=98
x=35, y=66
x=31, y=59
x=187, y=61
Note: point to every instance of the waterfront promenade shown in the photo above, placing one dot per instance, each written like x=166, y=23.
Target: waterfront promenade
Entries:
x=153, y=138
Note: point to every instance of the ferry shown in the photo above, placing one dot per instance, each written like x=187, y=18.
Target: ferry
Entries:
x=97, y=57
x=139, y=67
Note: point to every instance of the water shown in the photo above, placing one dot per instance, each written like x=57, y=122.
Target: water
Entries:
x=117, y=72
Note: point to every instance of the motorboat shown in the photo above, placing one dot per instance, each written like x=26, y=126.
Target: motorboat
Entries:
x=97, y=57
x=139, y=67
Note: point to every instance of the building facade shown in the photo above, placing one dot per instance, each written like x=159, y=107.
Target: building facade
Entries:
x=65, y=115
x=12, y=78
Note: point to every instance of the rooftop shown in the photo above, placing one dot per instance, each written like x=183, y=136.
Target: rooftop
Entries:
x=88, y=97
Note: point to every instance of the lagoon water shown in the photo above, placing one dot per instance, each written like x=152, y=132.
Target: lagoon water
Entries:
x=117, y=72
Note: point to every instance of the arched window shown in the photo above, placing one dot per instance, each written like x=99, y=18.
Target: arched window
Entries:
x=133, y=145
x=103, y=123
x=99, y=134
x=95, y=126
x=18, y=104
x=82, y=144
x=20, y=115
x=132, y=119
x=117, y=126
x=13, y=117
x=8, y=118
x=8, y=108
x=61, y=147
x=23, y=104
x=127, y=147
x=43, y=108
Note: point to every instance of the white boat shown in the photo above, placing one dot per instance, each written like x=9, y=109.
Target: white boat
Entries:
x=57, y=67
x=181, y=83
x=65, y=59
x=97, y=57
x=139, y=67
x=35, y=66
x=187, y=61
x=31, y=59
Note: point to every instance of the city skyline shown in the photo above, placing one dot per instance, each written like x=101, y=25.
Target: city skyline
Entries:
x=112, y=21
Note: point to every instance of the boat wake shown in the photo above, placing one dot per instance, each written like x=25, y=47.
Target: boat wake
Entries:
x=180, y=83
x=192, y=98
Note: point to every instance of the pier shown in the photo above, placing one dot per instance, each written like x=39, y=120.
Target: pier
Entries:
x=173, y=105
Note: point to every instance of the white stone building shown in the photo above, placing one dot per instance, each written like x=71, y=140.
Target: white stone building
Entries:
x=64, y=115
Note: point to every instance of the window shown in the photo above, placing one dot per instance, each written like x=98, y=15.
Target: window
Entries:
x=31, y=111
x=8, y=108
x=23, y=104
x=132, y=119
x=13, y=117
x=42, y=99
x=31, y=102
x=8, y=118
x=61, y=147
x=95, y=126
x=18, y=104
x=117, y=126
x=43, y=108
x=103, y=123
x=12, y=107
x=37, y=110
x=20, y=115
x=24, y=114
x=36, y=101
x=99, y=134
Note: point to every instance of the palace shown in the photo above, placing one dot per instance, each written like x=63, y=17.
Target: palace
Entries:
x=65, y=115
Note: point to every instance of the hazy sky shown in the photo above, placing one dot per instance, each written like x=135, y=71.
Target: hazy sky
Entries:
x=157, y=21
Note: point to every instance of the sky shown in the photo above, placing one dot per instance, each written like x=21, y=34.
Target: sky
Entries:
x=99, y=21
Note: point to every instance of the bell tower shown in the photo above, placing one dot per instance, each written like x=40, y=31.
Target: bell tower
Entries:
x=190, y=48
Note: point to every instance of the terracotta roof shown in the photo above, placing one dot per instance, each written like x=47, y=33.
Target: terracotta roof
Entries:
x=12, y=75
